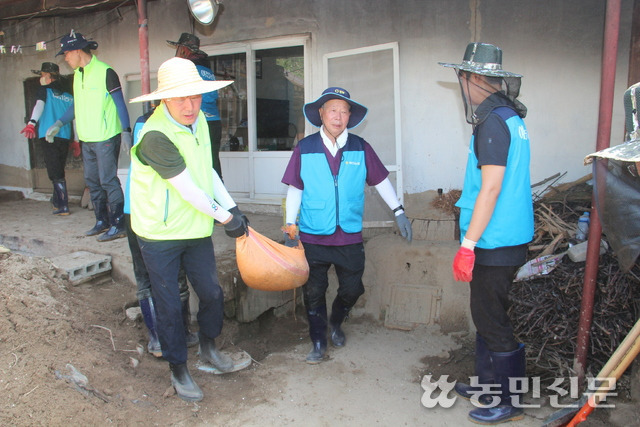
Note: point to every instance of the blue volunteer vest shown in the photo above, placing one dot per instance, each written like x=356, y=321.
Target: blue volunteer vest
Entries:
x=330, y=200
x=55, y=105
x=512, y=221
x=210, y=99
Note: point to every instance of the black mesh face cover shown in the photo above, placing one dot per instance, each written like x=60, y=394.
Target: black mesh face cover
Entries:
x=509, y=89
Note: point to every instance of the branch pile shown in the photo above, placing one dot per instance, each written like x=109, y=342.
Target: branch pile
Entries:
x=546, y=310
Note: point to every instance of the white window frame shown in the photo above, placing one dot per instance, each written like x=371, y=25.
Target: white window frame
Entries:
x=248, y=48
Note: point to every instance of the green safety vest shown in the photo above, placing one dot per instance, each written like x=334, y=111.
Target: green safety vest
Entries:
x=95, y=112
x=158, y=211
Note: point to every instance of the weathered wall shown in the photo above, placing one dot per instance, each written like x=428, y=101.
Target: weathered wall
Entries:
x=555, y=45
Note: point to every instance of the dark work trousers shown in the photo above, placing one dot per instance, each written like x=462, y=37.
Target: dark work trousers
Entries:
x=55, y=157
x=215, y=133
x=349, y=264
x=490, y=303
x=100, y=162
x=162, y=259
x=143, y=283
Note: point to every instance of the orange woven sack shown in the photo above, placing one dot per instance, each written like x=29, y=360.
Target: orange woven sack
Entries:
x=270, y=266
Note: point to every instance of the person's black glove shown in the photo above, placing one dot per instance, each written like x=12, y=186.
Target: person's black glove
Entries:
x=235, y=228
x=238, y=225
x=235, y=211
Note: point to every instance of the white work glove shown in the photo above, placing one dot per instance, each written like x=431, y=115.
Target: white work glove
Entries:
x=126, y=140
x=53, y=131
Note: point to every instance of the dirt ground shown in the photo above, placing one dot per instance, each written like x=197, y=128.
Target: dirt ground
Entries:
x=50, y=329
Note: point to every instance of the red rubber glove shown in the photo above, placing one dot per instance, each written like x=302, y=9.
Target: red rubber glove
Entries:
x=463, y=265
x=75, y=148
x=29, y=131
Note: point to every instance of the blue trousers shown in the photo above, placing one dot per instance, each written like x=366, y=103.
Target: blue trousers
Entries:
x=143, y=283
x=162, y=259
x=100, y=163
x=349, y=264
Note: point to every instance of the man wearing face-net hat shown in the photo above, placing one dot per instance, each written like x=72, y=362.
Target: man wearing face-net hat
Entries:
x=496, y=224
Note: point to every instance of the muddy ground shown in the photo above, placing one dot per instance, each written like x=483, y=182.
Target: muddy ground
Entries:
x=49, y=327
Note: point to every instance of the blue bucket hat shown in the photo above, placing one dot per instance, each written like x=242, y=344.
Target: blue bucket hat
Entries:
x=75, y=41
x=358, y=111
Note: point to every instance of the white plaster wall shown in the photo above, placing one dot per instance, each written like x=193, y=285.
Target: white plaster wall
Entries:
x=556, y=45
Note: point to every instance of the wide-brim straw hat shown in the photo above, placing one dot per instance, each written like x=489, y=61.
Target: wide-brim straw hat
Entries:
x=484, y=59
x=312, y=113
x=179, y=77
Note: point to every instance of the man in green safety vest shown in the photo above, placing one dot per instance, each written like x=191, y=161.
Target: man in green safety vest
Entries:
x=175, y=197
x=102, y=124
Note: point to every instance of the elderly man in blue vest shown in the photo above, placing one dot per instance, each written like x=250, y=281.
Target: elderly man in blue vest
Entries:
x=496, y=224
x=326, y=176
x=175, y=197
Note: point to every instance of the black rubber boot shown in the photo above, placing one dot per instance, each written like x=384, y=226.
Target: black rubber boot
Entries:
x=60, y=189
x=484, y=372
x=210, y=354
x=54, y=198
x=149, y=316
x=116, y=220
x=506, y=365
x=102, y=220
x=191, y=337
x=339, y=313
x=317, y=318
x=186, y=388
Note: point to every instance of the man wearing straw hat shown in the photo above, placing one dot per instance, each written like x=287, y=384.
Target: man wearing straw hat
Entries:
x=326, y=175
x=175, y=197
x=496, y=224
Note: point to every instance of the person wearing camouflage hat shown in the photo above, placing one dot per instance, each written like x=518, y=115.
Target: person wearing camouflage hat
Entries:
x=496, y=225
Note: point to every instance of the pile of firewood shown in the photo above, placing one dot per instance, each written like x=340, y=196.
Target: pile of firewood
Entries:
x=546, y=310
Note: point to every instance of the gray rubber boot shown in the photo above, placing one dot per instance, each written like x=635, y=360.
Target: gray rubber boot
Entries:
x=209, y=353
x=186, y=388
